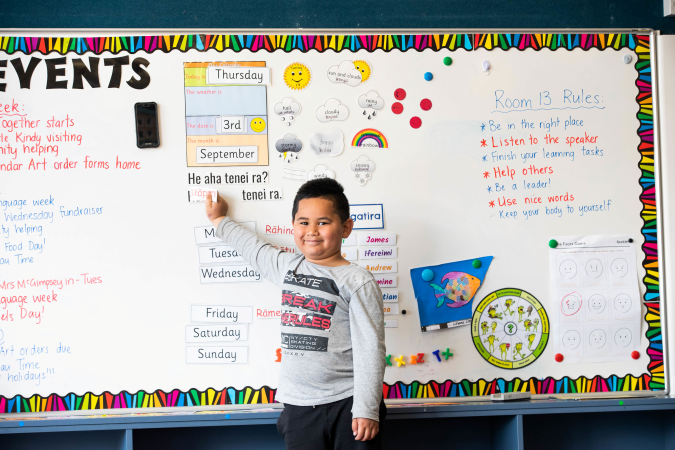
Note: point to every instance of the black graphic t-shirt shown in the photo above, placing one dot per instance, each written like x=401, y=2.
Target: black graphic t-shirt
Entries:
x=332, y=325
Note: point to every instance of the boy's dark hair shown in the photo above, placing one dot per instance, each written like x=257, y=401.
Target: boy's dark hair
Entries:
x=324, y=188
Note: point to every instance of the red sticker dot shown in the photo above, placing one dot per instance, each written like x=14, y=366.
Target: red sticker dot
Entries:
x=425, y=104
x=415, y=122
x=559, y=357
x=397, y=108
x=399, y=94
x=635, y=355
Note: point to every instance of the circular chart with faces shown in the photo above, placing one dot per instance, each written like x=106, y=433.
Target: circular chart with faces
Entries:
x=510, y=328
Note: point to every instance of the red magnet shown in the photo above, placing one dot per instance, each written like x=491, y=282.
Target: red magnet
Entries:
x=559, y=357
x=399, y=94
x=425, y=104
x=397, y=108
x=415, y=122
x=635, y=355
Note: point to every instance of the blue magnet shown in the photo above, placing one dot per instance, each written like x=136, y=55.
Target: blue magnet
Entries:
x=427, y=275
x=476, y=263
x=428, y=76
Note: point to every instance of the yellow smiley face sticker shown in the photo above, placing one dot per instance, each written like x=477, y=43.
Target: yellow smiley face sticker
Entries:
x=257, y=125
x=364, y=69
x=297, y=76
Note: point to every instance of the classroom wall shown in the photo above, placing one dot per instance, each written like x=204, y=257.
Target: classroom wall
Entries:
x=344, y=14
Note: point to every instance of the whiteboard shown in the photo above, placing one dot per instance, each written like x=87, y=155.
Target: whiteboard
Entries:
x=126, y=269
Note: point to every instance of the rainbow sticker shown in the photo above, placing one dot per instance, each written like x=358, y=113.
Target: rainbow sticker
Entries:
x=370, y=138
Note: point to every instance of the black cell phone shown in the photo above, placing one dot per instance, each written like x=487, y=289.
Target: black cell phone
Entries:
x=147, y=125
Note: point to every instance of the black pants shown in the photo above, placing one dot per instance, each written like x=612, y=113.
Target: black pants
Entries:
x=326, y=426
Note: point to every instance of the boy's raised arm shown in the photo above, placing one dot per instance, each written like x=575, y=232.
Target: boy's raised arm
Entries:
x=366, y=319
x=270, y=262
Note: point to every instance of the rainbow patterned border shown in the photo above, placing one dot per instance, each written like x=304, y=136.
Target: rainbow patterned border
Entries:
x=465, y=388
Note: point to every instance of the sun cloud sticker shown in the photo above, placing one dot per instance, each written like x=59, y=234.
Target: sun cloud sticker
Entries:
x=332, y=110
x=289, y=147
x=287, y=109
x=327, y=142
x=371, y=103
x=347, y=73
x=297, y=76
x=363, y=169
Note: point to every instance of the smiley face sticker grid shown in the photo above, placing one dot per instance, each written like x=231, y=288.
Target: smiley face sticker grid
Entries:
x=594, y=287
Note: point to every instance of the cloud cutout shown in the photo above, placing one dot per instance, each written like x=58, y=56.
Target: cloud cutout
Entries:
x=345, y=73
x=287, y=106
x=327, y=142
x=363, y=169
x=332, y=110
x=320, y=171
x=371, y=100
x=288, y=147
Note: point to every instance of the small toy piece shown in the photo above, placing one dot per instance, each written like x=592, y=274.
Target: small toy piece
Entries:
x=428, y=76
x=635, y=355
x=630, y=240
x=553, y=243
x=400, y=361
x=447, y=60
x=397, y=108
x=278, y=355
x=436, y=353
x=416, y=122
x=403, y=312
x=420, y=358
x=413, y=359
x=476, y=263
x=388, y=359
x=627, y=59
x=447, y=354
x=399, y=94
x=425, y=104
x=559, y=357
x=486, y=65
x=427, y=275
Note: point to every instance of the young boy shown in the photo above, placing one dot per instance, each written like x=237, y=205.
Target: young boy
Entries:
x=332, y=325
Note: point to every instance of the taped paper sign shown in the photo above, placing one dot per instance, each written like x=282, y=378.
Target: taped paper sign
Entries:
x=378, y=252
x=332, y=110
x=267, y=313
x=216, y=355
x=349, y=241
x=446, y=300
x=198, y=195
x=350, y=73
x=278, y=230
x=227, y=274
x=370, y=138
x=226, y=113
x=327, y=142
x=254, y=195
x=297, y=76
x=350, y=254
x=367, y=216
x=363, y=169
x=371, y=103
x=377, y=239
x=380, y=267
x=218, y=254
x=221, y=313
x=207, y=235
x=385, y=281
x=216, y=333
x=391, y=309
x=390, y=323
x=390, y=296
x=287, y=109
x=289, y=147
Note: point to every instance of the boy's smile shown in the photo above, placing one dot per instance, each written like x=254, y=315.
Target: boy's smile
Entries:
x=318, y=232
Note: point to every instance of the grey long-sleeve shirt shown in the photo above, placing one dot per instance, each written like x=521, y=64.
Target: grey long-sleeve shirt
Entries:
x=332, y=325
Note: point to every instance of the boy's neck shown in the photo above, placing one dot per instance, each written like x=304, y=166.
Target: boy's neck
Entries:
x=335, y=260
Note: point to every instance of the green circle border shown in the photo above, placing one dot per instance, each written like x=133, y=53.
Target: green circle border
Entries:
x=475, y=330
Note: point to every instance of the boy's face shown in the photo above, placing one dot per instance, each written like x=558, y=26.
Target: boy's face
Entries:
x=318, y=230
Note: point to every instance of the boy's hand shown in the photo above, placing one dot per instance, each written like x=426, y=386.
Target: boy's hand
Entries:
x=216, y=211
x=365, y=429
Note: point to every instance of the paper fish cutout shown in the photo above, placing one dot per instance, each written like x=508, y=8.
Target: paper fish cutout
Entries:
x=459, y=289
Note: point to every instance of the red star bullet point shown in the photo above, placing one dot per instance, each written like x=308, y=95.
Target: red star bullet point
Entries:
x=486, y=174
x=492, y=204
x=483, y=143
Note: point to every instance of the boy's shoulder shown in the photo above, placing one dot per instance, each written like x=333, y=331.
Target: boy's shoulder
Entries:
x=356, y=276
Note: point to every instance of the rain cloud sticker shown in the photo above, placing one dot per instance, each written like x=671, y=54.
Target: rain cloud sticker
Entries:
x=371, y=103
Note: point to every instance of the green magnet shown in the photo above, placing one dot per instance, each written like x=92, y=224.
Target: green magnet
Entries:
x=553, y=243
x=621, y=403
x=446, y=353
x=447, y=60
x=476, y=263
x=388, y=359
x=427, y=275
